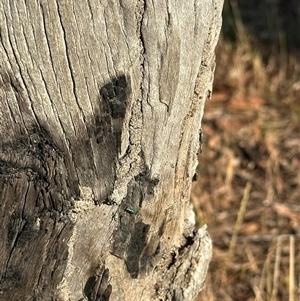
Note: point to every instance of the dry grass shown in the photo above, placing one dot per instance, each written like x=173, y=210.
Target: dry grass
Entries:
x=248, y=192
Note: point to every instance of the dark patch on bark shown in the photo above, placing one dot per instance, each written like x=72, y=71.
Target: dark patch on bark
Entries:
x=107, y=131
x=130, y=239
x=37, y=193
x=122, y=234
x=113, y=104
x=115, y=94
x=34, y=253
x=97, y=287
x=38, y=157
x=140, y=189
x=102, y=132
x=137, y=243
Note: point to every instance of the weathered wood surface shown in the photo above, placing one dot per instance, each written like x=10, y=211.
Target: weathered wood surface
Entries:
x=101, y=106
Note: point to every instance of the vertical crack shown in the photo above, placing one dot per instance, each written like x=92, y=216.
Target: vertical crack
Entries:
x=140, y=11
x=132, y=162
x=69, y=62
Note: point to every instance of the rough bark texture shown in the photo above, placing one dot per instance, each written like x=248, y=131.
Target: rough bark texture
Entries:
x=101, y=106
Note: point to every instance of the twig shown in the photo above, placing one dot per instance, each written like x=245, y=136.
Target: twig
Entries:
x=276, y=268
x=239, y=219
x=259, y=238
x=292, y=269
x=263, y=283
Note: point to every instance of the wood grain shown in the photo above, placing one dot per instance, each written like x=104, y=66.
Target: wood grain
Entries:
x=101, y=107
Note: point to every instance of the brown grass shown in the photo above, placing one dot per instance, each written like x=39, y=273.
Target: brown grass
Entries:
x=248, y=192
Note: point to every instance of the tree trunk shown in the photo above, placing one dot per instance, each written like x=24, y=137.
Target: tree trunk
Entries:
x=101, y=106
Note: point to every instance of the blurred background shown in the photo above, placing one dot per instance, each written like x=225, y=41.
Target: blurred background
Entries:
x=248, y=190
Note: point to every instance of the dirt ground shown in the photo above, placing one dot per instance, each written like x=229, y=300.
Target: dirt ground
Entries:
x=248, y=191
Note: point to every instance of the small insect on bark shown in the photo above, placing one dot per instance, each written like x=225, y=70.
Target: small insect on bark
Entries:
x=132, y=211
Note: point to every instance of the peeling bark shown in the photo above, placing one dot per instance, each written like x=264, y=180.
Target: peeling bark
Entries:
x=101, y=108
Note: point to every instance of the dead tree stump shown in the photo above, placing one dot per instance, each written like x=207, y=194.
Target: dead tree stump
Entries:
x=101, y=107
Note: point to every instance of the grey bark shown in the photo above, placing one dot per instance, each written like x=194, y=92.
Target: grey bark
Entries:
x=101, y=107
